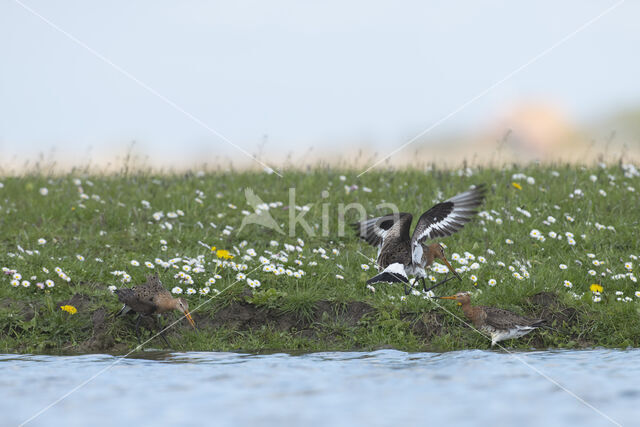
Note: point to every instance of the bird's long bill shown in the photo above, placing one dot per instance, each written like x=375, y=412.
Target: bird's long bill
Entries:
x=190, y=319
x=450, y=267
x=452, y=297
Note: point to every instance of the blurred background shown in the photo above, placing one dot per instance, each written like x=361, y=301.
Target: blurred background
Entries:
x=203, y=84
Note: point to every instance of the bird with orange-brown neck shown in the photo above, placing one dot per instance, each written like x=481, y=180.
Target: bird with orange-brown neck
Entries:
x=151, y=298
x=500, y=324
x=402, y=253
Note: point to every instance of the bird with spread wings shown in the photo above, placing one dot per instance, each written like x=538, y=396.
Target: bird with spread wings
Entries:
x=402, y=254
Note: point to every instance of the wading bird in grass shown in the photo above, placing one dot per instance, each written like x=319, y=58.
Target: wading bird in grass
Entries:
x=151, y=298
x=401, y=254
x=499, y=323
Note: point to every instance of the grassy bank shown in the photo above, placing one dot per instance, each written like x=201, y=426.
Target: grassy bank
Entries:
x=545, y=237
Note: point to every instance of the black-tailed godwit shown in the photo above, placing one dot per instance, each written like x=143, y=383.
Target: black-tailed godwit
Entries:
x=401, y=254
x=151, y=298
x=499, y=323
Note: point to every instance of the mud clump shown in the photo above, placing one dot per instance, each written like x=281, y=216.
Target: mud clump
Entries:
x=101, y=339
x=25, y=309
x=427, y=325
x=348, y=313
x=241, y=315
x=79, y=301
x=550, y=308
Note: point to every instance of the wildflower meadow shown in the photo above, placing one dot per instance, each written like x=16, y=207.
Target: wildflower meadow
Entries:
x=557, y=240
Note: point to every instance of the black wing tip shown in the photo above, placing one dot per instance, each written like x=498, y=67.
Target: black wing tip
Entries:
x=388, y=277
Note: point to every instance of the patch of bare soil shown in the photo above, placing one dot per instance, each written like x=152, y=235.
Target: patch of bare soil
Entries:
x=242, y=315
x=26, y=309
x=426, y=325
x=101, y=339
x=79, y=301
x=549, y=307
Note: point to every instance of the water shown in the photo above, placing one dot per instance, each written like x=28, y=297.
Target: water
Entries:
x=379, y=388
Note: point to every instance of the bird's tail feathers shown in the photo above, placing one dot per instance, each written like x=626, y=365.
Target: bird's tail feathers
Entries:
x=124, y=310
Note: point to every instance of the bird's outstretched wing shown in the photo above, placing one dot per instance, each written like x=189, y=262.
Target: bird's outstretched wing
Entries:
x=447, y=217
x=375, y=230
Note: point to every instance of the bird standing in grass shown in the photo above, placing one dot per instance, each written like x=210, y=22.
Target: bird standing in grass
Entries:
x=151, y=298
x=401, y=254
x=499, y=323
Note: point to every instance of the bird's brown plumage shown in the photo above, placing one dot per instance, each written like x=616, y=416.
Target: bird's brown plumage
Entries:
x=402, y=253
x=152, y=298
x=499, y=323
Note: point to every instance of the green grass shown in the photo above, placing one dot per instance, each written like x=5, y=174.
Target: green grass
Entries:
x=105, y=221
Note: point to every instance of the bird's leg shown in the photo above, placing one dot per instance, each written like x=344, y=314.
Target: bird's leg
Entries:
x=138, y=327
x=407, y=290
x=161, y=331
x=443, y=281
x=424, y=285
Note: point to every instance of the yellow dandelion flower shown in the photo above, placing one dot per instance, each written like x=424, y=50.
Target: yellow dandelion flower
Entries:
x=516, y=185
x=224, y=254
x=69, y=309
x=213, y=248
x=596, y=288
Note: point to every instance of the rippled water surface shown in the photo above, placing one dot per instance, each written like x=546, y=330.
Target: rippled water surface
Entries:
x=378, y=388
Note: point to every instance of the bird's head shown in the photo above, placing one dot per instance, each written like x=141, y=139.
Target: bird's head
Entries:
x=460, y=297
x=437, y=252
x=183, y=306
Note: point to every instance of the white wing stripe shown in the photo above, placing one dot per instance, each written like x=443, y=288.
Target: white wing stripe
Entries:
x=396, y=268
x=416, y=253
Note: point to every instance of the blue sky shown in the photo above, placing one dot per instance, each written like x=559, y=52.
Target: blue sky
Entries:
x=320, y=74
